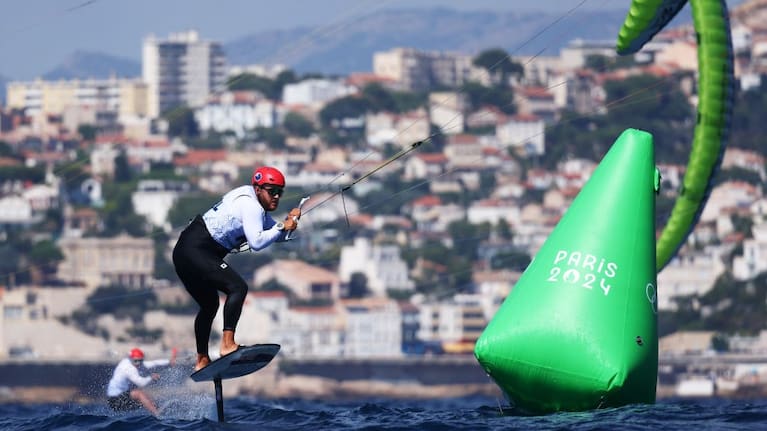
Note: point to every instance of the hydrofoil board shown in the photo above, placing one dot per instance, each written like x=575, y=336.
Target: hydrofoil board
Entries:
x=243, y=361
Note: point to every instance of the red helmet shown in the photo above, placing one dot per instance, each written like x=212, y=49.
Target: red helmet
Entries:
x=268, y=175
x=136, y=354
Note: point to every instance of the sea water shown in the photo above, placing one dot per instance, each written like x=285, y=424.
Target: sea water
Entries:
x=194, y=412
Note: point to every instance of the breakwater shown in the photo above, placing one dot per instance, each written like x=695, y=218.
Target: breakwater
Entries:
x=416, y=377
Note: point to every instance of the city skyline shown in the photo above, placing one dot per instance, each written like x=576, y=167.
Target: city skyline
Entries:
x=37, y=36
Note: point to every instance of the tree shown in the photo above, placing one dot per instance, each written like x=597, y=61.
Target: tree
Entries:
x=6, y=150
x=13, y=173
x=467, y=236
x=185, y=207
x=737, y=174
x=338, y=110
x=9, y=263
x=380, y=99
x=503, y=230
x=514, y=260
x=274, y=138
x=498, y=63
x=87, y=132
x=181, y=122
x=163, y=269
x=358, y=285
x=123, y=172
x=748, y=126
x=284, y=78
x=52, y=222
x=720, y=342
x=742, y=224
x=501, y=98
x=118, y=213
x=251, y=82
x=603, y=63
x=297, y=125
x=121, y=301
x=44, y=256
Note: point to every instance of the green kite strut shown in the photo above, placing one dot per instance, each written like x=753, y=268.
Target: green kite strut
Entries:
x=715, y=99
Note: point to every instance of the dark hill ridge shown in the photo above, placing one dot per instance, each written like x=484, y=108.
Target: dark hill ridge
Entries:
x=82, y=64
x=348, y=44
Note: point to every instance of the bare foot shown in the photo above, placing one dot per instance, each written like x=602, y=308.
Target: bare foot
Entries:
x=229, y=349
x=202, y=362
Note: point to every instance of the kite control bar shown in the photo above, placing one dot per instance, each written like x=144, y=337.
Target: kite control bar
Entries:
x=289, y=235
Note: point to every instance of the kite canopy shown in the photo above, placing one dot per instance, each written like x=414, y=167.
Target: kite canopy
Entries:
x=715, y=99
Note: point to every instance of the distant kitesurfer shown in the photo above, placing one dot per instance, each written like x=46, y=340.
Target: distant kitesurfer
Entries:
x=124, y=391
x=240, y=220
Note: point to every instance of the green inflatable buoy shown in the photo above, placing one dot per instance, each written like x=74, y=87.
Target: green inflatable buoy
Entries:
x=579, y=329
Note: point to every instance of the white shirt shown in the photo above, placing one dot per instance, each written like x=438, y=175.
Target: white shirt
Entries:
x=238, y=218
x=127, y=374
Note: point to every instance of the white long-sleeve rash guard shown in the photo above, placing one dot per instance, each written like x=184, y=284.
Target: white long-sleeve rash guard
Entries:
x=126, y=374
x=238, y=218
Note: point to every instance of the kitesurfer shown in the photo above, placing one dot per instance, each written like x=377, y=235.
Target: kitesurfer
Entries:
x=240, y=220
x=124, y=391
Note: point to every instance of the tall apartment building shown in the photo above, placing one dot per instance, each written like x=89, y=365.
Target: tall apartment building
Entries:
x=181, y=70
x=419, y=71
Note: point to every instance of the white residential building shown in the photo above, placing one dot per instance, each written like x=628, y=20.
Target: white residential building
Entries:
x=153, y=199
x=103, y=159
x=381, y=264
x=526, y=133
x=182, y=70
x=239, y=113
x=399, y=129
x=492, y=288
x=690, y=273
x=744, y=159
x=464, y=151
x=15, y=209
x=425, y=165
x=754, y=259
x=460, y=320
x=447, y=111
x=315, y=92
x=156, y=150
x=270, y=71
x=373, y=328
x=730, y=194
x=311, y=332
x=308, y=282
x=431, y=215
x=492, y=211
x=574, y=55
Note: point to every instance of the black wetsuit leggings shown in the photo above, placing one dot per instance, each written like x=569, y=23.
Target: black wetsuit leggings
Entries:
x=199, y=262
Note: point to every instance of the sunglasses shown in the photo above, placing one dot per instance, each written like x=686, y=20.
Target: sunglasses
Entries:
x=273, y=191
x=137, y=361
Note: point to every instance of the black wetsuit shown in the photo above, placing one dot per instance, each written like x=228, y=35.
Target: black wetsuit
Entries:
x=199, y=255
x=199, y=262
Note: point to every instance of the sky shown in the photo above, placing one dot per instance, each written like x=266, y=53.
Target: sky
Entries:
x=38, y=35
